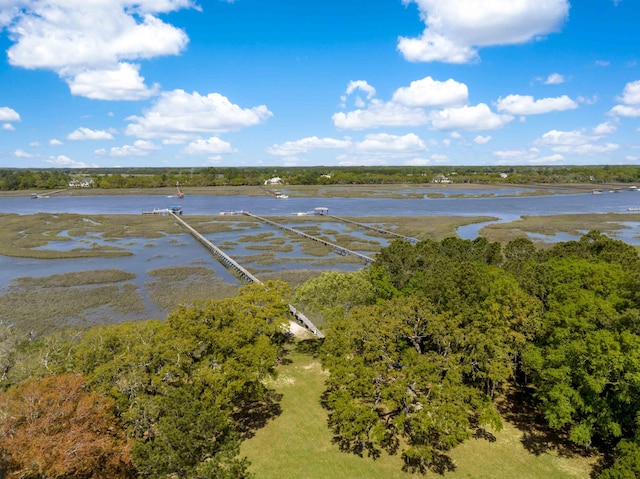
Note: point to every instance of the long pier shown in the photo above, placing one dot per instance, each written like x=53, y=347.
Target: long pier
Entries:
x=377, y=230
x=338, y=249
x=243, y=273
x=221, y=255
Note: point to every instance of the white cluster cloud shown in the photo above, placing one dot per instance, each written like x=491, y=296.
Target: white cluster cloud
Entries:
x=379, y=113
x=630, y=101
x=122, y=82
x=554, y=79
x=8, y=115
x=482, y=140
x=139, y=148
x=531, y=156
x=91, y=44
x=408, y=107
x=577, y=142
x=386, y=143
x=304, y=145
x=526, y=105
x=374, y=149
x=210, y=146
x=20, y=153
x=431, y=93
x=456, y=28
x=65, y=161
x=178, y=116
x=470, y=118
x=83, y=133
x=361, y=85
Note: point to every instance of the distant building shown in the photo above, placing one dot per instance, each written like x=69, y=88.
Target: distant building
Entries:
x=503, y=175
x=441, y=179
x=273, y=181
x=82, y=183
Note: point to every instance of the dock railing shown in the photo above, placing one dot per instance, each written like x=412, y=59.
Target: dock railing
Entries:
x=338, y=249
x=244, y=274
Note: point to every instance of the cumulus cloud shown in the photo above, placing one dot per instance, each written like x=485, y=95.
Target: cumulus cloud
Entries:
x=380, y=113
x=139, y=148
x=55, y=142
x=361, y=85
x=554, y=79
x=630, y=101
x=468, y=118
x=84, y=41
x=432, y=93
x=65, y=161
x=9, y=115
x=456, y=28
x=178, y=116
x=482, y=140
x=298, y=147
x=386, y=143
x=575, y=141
x=22, y=154
x=8, y=127
x=122, y=82
x=526, y=105
x=83, y=133
x=605, y=128
x=531, y=156
x=211, y=146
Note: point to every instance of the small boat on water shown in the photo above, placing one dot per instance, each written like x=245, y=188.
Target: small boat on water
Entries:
x=597, y=192
x=282, y=196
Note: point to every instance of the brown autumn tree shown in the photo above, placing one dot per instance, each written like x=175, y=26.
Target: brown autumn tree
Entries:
x=56, y=427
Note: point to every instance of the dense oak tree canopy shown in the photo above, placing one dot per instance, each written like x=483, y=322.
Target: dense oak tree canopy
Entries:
x=416, y=368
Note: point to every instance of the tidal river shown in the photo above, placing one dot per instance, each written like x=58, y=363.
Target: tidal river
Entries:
x=501, y=205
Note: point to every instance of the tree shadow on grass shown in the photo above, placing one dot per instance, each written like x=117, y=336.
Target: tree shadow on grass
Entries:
x=518, y=407
x=255, y=415
x=440, y=464
x=309, y=346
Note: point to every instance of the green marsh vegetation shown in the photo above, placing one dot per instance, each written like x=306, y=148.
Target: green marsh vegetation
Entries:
x=185, y=285
x=44, y=305
x=578, y=224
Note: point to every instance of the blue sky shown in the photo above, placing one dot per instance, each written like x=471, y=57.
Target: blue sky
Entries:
x=108, y=83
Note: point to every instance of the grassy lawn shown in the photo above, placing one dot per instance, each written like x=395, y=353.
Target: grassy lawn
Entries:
x=298, y=444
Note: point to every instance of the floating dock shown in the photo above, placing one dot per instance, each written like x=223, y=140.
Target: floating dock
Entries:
x=243, y=273
x=335, y=247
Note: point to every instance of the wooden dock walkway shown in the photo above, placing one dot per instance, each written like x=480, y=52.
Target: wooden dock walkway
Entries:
x=243, y=273
x=338, y=249
x=377, y=230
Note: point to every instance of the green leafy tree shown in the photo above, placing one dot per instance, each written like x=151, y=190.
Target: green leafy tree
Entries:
x=186, y=387
x=397, y=377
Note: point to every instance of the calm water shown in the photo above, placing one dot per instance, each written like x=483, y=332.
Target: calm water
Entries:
x=182, y=249
x=503, y=207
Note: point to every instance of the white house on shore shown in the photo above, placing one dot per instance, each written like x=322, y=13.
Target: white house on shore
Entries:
x=441, y=179
x=273, y=181
x=83, y=183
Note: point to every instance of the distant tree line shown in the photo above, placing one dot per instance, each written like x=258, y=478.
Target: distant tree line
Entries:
x=107, y=178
